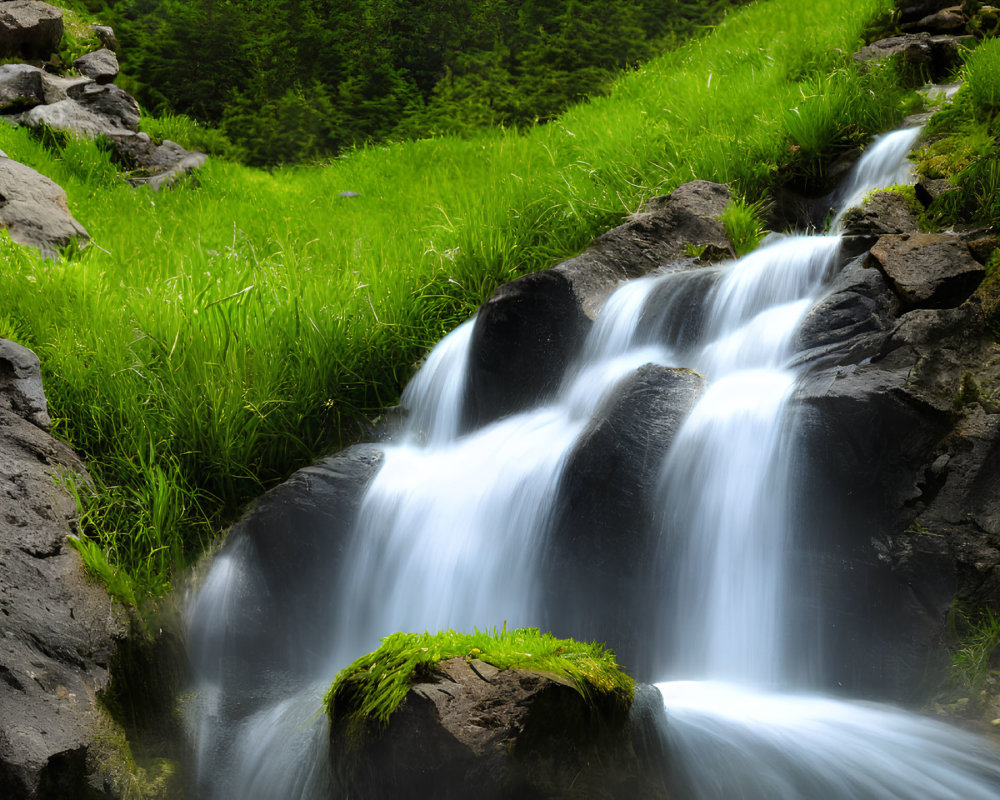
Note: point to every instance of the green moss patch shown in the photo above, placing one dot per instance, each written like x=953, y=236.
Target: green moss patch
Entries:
x=374, y=686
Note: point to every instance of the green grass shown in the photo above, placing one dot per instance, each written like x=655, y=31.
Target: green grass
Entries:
x=216, y=336
x=368, y=691
x=971, y=660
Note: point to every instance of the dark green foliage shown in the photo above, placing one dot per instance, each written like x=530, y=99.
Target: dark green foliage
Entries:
x=294, y=80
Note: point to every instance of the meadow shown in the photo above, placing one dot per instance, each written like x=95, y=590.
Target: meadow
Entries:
x=216, y=336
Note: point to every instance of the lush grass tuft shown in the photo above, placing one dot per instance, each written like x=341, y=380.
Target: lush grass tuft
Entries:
x=372, y=688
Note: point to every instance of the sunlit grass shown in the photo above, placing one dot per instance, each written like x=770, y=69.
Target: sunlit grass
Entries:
x=218, y=335
x=367, y=692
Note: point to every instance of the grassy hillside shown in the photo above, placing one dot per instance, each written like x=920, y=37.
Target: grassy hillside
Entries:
x=217, y=336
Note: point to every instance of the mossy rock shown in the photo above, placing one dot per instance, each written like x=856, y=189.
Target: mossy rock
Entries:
x=517, y=714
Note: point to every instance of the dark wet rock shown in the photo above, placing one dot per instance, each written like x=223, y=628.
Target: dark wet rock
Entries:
x=101, y=65
x=928, y=270
x=850, y=323
x=29, y=29
x=524, y=338
x=883, y=212
x=601, y=546
x=34, y=211
x=913, y=10
x=922, y=55
x=530, y=331
x=475, y=731
x=946, y=20
x=21, y=384
x=294, y=538
x=20, y=88
x=58, y=629
x=912, y=48
x=898, y=400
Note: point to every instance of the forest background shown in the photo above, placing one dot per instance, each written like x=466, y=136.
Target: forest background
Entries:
x=298, y=80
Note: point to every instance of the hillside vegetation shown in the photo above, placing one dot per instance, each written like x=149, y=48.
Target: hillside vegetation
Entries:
x=288, y=80
x=217, y=336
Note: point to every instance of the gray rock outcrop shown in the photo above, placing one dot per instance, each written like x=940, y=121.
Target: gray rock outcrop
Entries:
x=21, y=87
x=34, y=211
x=21, y=384
x=58, y=628
x=29, y=29
x=474, y=730
x=101, y=65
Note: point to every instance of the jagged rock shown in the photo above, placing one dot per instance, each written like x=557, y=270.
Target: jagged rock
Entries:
x=913, y=48
x=21, y=384
x=600, y=543
x=58, y=628
x=882, y=213
x=895, y=399
x=851, y=322
x=106, y=35
x=59, y=88
x=29, y=29
x=33, y=209
x=91, y=110
x=475, y=731
x=20, y=87
x=101, y=65
x=926, y=269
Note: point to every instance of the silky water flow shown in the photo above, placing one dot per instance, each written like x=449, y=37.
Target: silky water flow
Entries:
x=454, y=525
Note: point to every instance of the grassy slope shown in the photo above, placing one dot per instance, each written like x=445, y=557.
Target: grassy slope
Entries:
x=221, y=334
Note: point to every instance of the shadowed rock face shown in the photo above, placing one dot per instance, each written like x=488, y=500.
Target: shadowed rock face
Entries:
x=898, y=422
x=58, y=629
x=532, y=329
x=600, y=546
x=475, y=731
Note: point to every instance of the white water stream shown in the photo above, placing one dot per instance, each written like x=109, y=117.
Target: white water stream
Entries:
x=452, y=531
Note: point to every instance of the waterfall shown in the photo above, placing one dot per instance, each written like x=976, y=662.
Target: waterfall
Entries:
x=452, y=531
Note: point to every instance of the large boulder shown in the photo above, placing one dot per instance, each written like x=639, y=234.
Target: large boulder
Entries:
x=600, y=544
x=532, y=329
x=29, y=29
x=474, y=731
x=21, y=87
x=883, y=212
x=101, y=65
x=90, y=109
x=928, y=269
x=58, y=629
x=34, y=211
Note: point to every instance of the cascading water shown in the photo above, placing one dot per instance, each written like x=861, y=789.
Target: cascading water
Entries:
x=454, y=526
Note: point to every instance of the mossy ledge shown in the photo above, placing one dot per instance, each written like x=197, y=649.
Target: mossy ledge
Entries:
x=365, y=694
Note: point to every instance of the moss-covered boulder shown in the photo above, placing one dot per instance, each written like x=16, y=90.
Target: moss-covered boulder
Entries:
x=513, y=714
